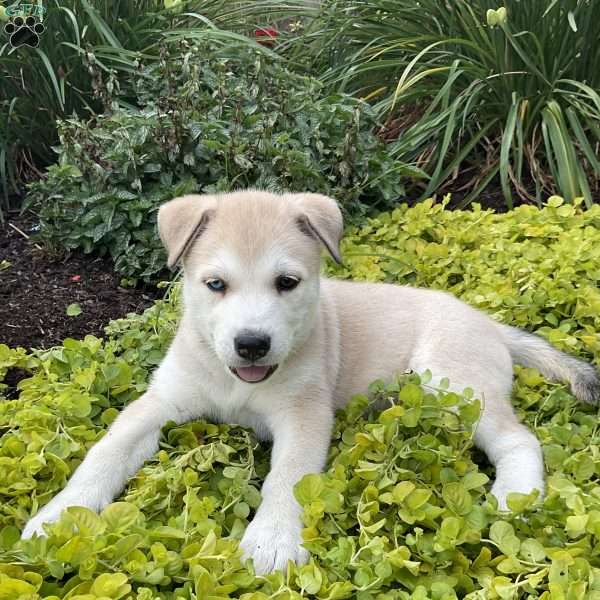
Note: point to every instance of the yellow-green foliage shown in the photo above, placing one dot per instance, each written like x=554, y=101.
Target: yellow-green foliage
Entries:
x=536, y=269
x=403, y=510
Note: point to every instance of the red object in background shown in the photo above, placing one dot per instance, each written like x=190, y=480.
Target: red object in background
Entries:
x=266, y=35
x=76, y=278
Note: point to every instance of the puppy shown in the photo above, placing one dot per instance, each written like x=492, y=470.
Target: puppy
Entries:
x=267, y=343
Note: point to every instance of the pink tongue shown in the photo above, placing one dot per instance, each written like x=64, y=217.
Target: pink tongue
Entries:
x=253, y=373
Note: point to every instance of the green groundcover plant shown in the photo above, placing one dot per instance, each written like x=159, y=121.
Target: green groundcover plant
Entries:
x=403, y=509
x=216, y=116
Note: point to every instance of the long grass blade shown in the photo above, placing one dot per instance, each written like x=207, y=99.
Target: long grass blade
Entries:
x=562, y=149
x=507, y=141
x=51, y=77
x=100, y=25
x=582, y=140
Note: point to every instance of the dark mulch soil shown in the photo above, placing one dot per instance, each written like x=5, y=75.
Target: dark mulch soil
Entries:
x=36, y=288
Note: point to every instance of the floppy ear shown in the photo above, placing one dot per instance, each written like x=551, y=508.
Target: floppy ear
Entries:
x=321, y=219
x=181, y=221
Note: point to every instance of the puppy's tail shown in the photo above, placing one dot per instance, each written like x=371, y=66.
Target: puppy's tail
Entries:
x=532, y=351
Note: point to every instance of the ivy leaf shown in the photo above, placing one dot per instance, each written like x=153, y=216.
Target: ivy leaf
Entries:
x=503, y=535
x=73, y=310
x=308, y=489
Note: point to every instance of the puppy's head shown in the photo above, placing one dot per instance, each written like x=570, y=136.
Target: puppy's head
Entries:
x=251, y=271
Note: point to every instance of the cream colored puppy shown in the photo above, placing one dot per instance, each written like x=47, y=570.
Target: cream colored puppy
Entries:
x=265, y=342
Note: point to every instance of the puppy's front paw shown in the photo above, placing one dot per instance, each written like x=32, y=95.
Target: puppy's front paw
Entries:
x=48, y=514
x=271, y=544
x=51, y=512
x=501, y=489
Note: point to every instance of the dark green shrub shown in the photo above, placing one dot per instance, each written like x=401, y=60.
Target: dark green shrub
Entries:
x=215, y=117
x=87, y=45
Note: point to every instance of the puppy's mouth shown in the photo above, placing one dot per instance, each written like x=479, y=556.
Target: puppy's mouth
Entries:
x=254, y=373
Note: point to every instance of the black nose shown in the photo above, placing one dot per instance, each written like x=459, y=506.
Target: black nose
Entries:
x=252, y=346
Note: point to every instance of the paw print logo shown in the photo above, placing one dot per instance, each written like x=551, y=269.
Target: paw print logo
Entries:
x=24, y=31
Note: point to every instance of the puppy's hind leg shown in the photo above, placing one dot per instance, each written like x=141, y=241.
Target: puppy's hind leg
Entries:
x=509, y=445
x=513, y=450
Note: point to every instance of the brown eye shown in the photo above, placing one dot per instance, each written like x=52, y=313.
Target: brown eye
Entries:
x=286, y=283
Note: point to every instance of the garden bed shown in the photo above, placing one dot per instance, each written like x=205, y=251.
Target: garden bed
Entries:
x=403, y=511
x=36, y=288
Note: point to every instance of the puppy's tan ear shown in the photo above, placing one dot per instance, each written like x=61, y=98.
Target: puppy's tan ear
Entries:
x=181, y=221
x=322, y=219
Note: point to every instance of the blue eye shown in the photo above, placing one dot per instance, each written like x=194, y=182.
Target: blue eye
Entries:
x=215, y=285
